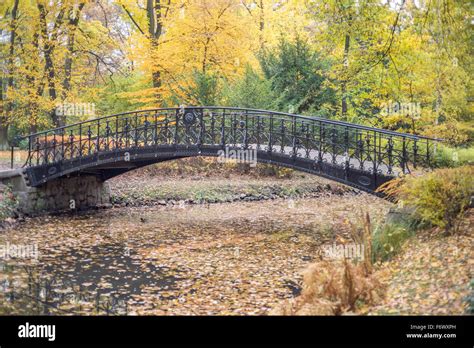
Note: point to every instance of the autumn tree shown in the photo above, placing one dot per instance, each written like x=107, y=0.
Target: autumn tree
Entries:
x=8, y=36
x=52, y=46
x=337, y=58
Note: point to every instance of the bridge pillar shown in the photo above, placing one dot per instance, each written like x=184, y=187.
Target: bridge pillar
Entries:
x=59, y=195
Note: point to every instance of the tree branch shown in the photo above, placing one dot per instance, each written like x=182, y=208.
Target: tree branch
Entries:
x=133, y=19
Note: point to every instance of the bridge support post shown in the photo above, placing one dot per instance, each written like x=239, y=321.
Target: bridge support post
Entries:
x=60, y=195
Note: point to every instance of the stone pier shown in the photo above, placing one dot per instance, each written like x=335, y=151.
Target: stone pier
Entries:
x=60, y=195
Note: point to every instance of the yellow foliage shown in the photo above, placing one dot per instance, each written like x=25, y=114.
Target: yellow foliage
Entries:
x=439, y=198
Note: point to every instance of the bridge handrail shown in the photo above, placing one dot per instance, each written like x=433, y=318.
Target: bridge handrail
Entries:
x=325, y=120
x=309, y=118
x=94, y=120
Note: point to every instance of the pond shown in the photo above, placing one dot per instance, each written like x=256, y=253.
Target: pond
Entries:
x=219, y=259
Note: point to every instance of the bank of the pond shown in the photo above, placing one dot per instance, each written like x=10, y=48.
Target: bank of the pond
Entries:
x=139, y=191
x=432, y=274
x=204, y=180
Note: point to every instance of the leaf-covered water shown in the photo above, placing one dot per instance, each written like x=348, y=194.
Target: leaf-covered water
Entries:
x=239, y=258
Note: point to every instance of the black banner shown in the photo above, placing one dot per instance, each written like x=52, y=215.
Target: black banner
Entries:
x=134, y=331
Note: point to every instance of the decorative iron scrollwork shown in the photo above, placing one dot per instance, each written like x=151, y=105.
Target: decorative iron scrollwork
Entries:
x=190, y=117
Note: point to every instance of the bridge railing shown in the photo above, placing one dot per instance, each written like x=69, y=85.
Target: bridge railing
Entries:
x=320, y=140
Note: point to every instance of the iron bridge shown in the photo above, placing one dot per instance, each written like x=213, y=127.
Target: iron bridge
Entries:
x=359, y=156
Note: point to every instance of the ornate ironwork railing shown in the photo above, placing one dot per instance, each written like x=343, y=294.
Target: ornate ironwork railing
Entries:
x=341, y=144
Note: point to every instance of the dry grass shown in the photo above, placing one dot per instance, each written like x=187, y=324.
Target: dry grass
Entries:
x=337, y=287
x=333, y=288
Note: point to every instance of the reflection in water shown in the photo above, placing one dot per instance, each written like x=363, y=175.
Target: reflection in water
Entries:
x=101, y=280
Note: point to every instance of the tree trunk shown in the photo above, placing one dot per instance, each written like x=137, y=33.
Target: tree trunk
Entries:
x=3, y=122
x=48, y=50
x=155, y=28
x=156, y=80
x=12, y=43
x=7, y=105
x=344, y=81
x=262, y=25
x=4, y=135
x=68, y=61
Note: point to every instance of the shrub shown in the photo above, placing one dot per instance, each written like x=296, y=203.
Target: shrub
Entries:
x=298, y=76
x=454, y=133
x=204, y=89
x=439, y=198
x=23, y=144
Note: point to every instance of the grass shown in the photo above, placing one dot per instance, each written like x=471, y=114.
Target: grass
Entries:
x=389, y=238
x=453, y=157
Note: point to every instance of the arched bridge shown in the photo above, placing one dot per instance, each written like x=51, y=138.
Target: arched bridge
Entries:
x=359, y=156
